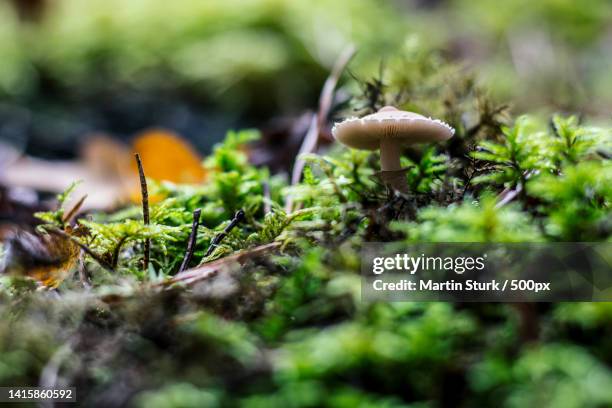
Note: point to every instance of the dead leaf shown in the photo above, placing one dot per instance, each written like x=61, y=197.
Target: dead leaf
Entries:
x=168, y=157
x=46, y=258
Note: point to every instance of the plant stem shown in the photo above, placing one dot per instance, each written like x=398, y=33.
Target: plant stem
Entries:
x=309, y=144
x=145, y=210
x=218, y=238
x=192, y=240
x=73, y=211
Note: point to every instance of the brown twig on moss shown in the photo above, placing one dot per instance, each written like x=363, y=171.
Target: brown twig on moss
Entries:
x=219, y=237
x=145, y=210
x=73, y=211
x=211, y=269
x=192, y=240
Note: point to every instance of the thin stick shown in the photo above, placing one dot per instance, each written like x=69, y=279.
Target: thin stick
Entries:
x=219, y=237
x=68, y=216
x=84, y=247
x=192, y=240
x=116, y=250
x=211, y=269
x=145, y=209
x=316, y=124
x=327, y=93
x=308, y=146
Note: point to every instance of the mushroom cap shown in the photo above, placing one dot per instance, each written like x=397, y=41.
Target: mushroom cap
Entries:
x=389, y=122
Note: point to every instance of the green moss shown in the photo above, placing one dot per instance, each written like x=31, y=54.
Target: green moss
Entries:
x=290, y=329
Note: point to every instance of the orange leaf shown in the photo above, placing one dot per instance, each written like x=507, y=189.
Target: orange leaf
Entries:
x=168, y=157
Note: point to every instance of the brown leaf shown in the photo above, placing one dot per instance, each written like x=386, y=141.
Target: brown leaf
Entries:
x=46, y=258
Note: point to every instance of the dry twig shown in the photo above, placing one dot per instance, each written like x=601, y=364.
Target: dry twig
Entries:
x=318, y=121
x=145, y=210
x=219, y=237
x=211, y=269
x=192, y=240
x=73, y=211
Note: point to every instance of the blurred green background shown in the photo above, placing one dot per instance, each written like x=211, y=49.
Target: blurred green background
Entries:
x=70, y=67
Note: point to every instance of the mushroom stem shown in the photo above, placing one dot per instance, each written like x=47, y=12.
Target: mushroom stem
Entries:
x=390, y=165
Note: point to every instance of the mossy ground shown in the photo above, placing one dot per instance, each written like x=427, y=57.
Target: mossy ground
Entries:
x=288, y=328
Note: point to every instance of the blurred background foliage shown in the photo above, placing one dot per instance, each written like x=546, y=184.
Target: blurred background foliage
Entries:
x=70, y=67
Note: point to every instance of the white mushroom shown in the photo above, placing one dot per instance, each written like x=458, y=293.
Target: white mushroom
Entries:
x=388, y=130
